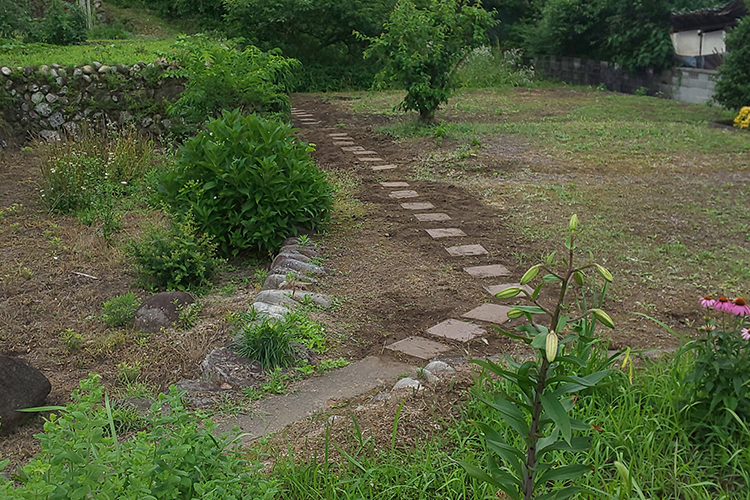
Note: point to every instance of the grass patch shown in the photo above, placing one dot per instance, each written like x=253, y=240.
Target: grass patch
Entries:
x=108, y=52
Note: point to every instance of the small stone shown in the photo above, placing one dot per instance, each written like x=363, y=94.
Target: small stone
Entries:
x=394, y=184
x=293, y=254
x=269, y=310
x=71, y=128
x=338, y=134
x=408, y=383
x=63, y=90
x=365, y=152
x=50, y=135
x=424, y=375
x=466, y=250
x=351, y=149
x=97, y=65
x=161, y=311
x=295, y=265
x=403, y=194
x=6, y=71
x=418, y=206
x=77, y=72
x=437, y=217
x=87, y=69
x=449, y=232
x=56, y=120
x=87, y=78
x=378, y=168
x=54, y=73
x=146, y=122
x=43, y=109
x=439, y=367
x=370, y=159
x=44, y=69
x=37, y=97
x=51, y=98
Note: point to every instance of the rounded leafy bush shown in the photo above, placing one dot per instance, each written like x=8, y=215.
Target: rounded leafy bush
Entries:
x=249, y=183
x=733, y=89
x=63, y=24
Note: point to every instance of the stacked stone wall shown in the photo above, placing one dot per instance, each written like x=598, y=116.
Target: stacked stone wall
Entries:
x=49, y=101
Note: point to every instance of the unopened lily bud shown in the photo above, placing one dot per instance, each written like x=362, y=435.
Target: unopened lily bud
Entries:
x=551, y=346
x=573, y=222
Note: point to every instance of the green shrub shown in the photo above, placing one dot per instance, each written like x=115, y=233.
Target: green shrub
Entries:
x=422, y=46
x=14, y=18
x=63, y=24
x=175, y=456
x=733, y=87
x=120, y=310
x=249, y=183
x=267, y=343
x=489, y=67
x=176, y=258
x=220, y=76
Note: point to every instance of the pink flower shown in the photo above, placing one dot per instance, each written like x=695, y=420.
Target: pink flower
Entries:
x=707, y=302
x=740, y=307
x=746, y=333
x=723, y=304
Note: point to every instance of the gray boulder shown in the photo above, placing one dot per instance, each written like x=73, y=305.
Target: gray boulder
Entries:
x=224, y=367
x=21, y=386
x=284, y=263
x=161, y=311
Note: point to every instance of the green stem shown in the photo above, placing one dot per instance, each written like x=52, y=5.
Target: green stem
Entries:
x=528, y=480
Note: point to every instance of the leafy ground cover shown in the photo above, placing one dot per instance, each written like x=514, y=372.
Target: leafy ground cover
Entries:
x=105, y=51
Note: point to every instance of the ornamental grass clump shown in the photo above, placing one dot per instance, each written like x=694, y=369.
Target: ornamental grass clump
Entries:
x=540, y=393
x=718, y=392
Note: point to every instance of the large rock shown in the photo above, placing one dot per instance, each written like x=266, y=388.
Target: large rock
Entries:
x=284, y=263
x=292, y=298
x=224, y=367
x=21, y=386
x=161, y=311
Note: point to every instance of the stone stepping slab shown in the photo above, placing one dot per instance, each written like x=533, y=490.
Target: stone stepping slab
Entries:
x=419, y=347
x=437, y=217
x=344, y=143
x=495, y=289
x=426, y=205
x=370, y=159
x=378, y=168
x=304, y=115
x=403, y=194
x=310, y=123
x=353, y=148
x=365, y=152
x=339, y=134
x=397, y=184
x=455, y=329
x=491, y=313
x=449, y=232
x=492, y=271
x=466, y=250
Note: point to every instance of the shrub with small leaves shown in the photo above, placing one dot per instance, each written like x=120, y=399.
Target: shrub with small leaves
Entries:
x=249, y=183
x=120, y=310
x=174, y=258
x=63, y=24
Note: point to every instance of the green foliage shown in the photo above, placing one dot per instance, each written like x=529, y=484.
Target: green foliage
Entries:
x=220, y=76
x=176, y=456
x=541, y=393
x=327, y=365
x=189, y=314
x=14, y=18
x=120, y=310
x=72, y=340
x=63, y=24
x=421, y=48
x=177, y=258
x=733, y=87
x=307, y=331
x=717, y=392
x=491, y=67
x=266, y=342
x=638, y=34
x=249, y=183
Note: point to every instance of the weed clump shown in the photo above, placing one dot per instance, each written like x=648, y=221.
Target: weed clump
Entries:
x=120, y=310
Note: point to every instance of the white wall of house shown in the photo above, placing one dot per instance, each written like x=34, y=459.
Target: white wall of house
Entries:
x=693, y=43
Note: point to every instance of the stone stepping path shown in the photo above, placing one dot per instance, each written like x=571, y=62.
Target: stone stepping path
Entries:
x=450, y=232
x=437, y=217
x=466, y=250
x=452, y=330
x=419, y=347
x=491, y=313
x=455, y=329
x=316, y=394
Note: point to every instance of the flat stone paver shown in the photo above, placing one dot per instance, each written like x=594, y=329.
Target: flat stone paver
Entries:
x=419, y=347
x=491, y=271
x=492, y=313
x=370, y=159
x=344, y=143
x=466, y=250
x=339, y=134
x=378, y=168
x=310, y=123
x=365, y=152
x=495, y=289
x=455, y=329
x=312, y=395
x=448, y=232
x=403, y=194
x=425, y=205
x=352, y=148
x=432, y=217
x=396, y=184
